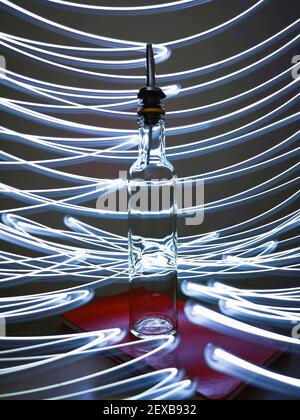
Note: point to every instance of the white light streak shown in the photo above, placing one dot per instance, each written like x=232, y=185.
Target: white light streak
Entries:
x=89, y=258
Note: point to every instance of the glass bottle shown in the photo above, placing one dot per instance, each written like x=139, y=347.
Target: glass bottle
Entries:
x=152, y=226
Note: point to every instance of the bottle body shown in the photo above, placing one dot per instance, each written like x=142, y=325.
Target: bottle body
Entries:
x=152, y=237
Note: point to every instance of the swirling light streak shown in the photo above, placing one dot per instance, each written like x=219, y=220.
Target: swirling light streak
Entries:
x=43, y=307
x=114, y=109
x=169, y=77
x=227, y=244
x=236, y=304
x=229, y=364
x=211, y=319
x=230, y=172
x=21, y=228
x=173, y=152
x=47, y=119
x=80, y=62
x=39, y=203
x=200, y=272
x=289, y=224
x=37, y=230
x=156, y=381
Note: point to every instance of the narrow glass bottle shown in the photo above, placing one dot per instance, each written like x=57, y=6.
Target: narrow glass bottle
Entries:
x=152, y=221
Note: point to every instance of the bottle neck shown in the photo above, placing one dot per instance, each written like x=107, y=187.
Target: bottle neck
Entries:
x=152, y=141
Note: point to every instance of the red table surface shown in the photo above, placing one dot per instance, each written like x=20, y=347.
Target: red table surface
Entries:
x=113, y=311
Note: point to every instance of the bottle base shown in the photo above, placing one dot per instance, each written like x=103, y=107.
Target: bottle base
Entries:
x=152, y=327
